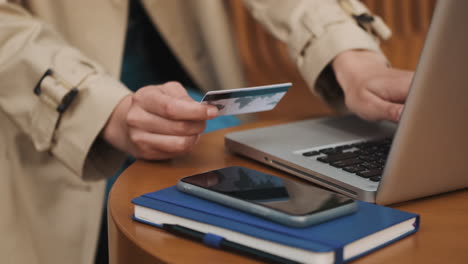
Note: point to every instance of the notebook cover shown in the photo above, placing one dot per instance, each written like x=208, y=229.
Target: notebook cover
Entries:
x=325, y=237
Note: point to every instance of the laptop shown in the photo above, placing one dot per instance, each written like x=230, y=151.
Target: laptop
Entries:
x=382, y=162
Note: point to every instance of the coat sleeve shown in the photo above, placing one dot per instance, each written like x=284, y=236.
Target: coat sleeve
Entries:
x=316, y=31
x=29, y=49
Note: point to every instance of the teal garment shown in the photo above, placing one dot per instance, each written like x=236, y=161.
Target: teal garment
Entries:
x=148, y=60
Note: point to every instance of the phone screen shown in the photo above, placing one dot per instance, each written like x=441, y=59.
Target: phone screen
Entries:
x=287, y=196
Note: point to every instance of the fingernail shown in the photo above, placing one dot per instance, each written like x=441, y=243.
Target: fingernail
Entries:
x=399, y=113
x=212, y=112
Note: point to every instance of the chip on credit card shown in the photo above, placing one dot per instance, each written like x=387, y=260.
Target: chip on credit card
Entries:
x=246, y=100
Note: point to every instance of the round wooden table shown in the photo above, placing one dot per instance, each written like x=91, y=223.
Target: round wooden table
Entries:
x=442, y=237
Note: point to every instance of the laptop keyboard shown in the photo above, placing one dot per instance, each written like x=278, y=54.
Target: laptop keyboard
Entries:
x=365, y=159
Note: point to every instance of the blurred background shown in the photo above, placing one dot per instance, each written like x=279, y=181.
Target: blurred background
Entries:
x=408, y=19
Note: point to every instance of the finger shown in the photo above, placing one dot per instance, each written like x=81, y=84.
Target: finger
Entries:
x=174, y=145
x=390, y=111
x=156, y=101
x=374, y=108
x=394, y=87
x=151, y=154
x=176, y=89
x=140, y=119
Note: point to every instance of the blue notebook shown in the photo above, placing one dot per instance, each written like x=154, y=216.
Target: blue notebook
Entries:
x=336, y=241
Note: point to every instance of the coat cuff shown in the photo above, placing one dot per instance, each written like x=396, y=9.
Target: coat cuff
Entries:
x=77, y=144
x=314, y=62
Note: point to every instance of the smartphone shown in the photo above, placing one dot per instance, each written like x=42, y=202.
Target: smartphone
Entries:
x=288, y=202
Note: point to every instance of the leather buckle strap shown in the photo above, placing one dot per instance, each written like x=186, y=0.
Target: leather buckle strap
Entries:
x=55, y=97
x=66, y=100
x=367, y=21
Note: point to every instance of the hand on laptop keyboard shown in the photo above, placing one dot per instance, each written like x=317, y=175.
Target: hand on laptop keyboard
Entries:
x=372, y=90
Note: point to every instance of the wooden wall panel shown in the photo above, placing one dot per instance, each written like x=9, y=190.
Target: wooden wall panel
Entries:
x=266, y=60
x=409, y=21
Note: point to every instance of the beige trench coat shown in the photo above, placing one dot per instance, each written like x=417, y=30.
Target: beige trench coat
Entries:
x=52, y=164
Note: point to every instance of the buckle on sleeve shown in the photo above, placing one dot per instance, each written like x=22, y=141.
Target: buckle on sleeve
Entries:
x=37, y=89
x=364, y=18
x=66, y=100
x=371, y=23
x=55, y=96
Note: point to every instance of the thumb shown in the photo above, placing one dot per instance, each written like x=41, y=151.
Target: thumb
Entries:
x=395, y=87
x=392, y=112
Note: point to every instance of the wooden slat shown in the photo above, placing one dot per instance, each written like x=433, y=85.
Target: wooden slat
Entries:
x=403, y=20
x=266, y=59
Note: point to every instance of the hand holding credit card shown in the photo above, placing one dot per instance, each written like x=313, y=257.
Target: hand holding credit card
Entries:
x=246, y=100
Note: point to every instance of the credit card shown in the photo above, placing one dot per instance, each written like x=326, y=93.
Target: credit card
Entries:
x=246, y=100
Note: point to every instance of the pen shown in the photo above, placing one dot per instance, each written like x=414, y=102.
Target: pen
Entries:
x=226, y=244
